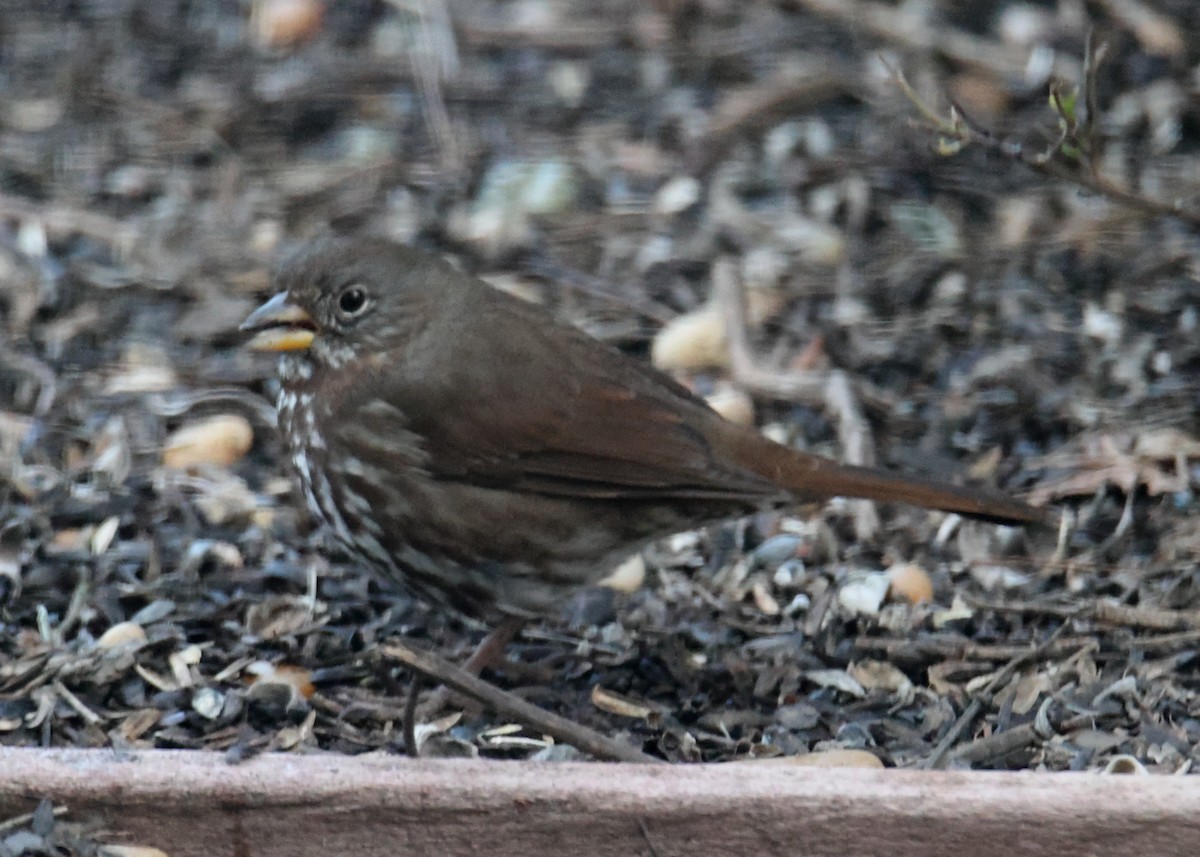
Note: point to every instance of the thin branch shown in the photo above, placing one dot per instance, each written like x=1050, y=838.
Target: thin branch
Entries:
x=26, y=818
x=502, y=702
x=1102, y=612
x=905, y=648
x=937, y=758
x=1077, y=167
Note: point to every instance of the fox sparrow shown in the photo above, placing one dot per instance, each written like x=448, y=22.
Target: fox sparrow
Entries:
x=488, y=456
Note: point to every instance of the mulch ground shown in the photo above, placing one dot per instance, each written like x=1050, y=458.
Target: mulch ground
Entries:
x=944, y=307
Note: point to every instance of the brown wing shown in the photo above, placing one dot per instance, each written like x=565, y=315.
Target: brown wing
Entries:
x=526, y=402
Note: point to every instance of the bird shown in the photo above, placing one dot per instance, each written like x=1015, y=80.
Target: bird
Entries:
x=493, y=459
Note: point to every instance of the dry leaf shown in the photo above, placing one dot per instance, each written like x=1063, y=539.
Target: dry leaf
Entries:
x=103, y=535
x=676, y=195
x=1027, y=690
x=1156, y=460
x=880, y=675
x=222, y=499
x=139, y=723
x=278, y=616
x=838, y=680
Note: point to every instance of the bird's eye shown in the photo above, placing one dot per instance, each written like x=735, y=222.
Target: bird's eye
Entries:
x=352, y=300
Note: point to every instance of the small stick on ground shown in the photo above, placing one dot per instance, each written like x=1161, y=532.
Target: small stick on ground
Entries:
x=25, y=818
x=899, y=648
x=937, y=758
x=559, y=728
x=999, y=744
x=1102, y=612
x=1071, y=158
x=489, y=653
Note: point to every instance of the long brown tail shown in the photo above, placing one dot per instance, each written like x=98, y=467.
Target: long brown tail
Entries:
x=811, y=477
x=830, y=479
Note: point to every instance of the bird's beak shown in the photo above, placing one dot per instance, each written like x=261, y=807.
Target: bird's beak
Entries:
x=280, y=326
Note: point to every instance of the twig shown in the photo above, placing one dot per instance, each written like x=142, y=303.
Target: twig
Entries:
x=1103, y=612
x=937, y=757
x=998, y=743
x=489, y=653
x=75, y=607
x=858, y=447
x=1002, y=743
x=1071, y=158
x=1124, y=524
x=1150, y=618
x=583, y=37
x=904, y=647
x=561, y=729
x=1094, y=53
x=410, y=715
x=934, y=762
x=26, y=817
x=76, y=703
x=1164, y=641
x=806, y=387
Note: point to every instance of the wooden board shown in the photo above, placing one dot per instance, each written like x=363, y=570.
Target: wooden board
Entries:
x=190, y=803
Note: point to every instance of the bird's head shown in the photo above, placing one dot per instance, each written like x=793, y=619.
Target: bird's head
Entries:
x=340, y=300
